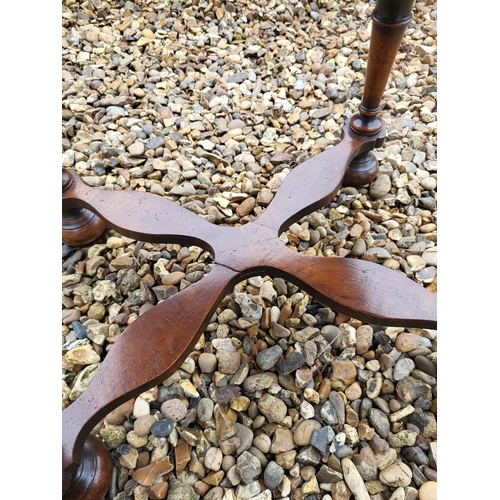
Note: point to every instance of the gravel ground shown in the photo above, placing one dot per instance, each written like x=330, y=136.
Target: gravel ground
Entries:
x=210, y=105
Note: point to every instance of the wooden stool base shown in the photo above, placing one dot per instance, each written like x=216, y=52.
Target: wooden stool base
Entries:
x=81, y=227
x=362, y=170
x=92, y=479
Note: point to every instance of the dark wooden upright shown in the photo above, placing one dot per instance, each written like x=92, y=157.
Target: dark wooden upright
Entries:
x=389, y=21
x=158, y=342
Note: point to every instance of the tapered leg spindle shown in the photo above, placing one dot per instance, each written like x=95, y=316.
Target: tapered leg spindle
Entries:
x=389, y=21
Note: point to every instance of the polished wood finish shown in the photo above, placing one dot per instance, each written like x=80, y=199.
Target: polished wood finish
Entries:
x=389, y=21
x=158, y=342
x=79, y=225
x=92, y=479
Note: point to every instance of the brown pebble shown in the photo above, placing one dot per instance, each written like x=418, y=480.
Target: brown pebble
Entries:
x=142, y=426
x=120, y=414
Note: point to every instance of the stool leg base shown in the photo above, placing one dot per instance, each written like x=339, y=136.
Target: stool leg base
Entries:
x=80, y=227
x=362, y=170
x=92, y=479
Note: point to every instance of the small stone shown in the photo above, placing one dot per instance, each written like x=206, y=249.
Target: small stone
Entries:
x=228, y=362
x=225, y=419
x=364, y=338
x=174, y=409
x=403, y=438
x=273, y=475
x=207, y=362
x=308, y=456
x=247, y=491
x=303, y=432
x=120, y=414
x=338, y=405
x=320, y=438
x=283, y=441
x=380, y=186
x=366, y=464
x=173, y=278
x=328, y=413
x=425, y=421
x=409, y=389
x=380, y=421
x=273, y=408
x=354, y=480
x=113, y=435
x=141, y=407
x=135, y=440
x=396, y=475
x=406, y=342
x=259, y=382
x=426, y=365
x=291, y=363
x=142, y=425
x=163, y=427
x=428, y=491
x=181, y=491
x=267, y=358
x=245, y=436
x=262, y=442
x=82, y=355
x=403, y=368
x=287, y=459
x=343, y=374
x=354, y=391
x=248, y=467
x=155, y=143
x=136, y=149
x=213, y=459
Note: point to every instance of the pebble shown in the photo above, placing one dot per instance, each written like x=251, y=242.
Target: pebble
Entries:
x=213, y=459
x=291, y=363
x=267, y=358
x=175, y=409
x=83, y=355
x=406, y=342
x=380, y=422
x=248, y=467
x=396, y=475
x=283, y=441
x=303, y=433
x=403, y=368
x=163, y=427
x=354, y=480
x=143, y=425
x=428, y=491
x=273, y=408
x=207, y=362
x=273, y=475
x=381, y=186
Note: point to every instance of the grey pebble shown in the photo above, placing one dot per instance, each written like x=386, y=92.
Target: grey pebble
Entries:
x=267, y=358
x=273, y=475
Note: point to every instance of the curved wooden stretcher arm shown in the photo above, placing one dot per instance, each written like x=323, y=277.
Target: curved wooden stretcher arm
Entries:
x=157, y=343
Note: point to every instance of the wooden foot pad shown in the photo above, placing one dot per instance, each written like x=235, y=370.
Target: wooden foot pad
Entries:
x=92, y=479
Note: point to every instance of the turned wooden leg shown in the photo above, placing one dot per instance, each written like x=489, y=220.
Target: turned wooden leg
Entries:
x=389, y=18
x=79, y=225
x=92, y=479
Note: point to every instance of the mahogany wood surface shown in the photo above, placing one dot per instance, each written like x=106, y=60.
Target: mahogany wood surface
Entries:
x=157, y=343
x=79, y=225
x=92, y=479
x=389, y=21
